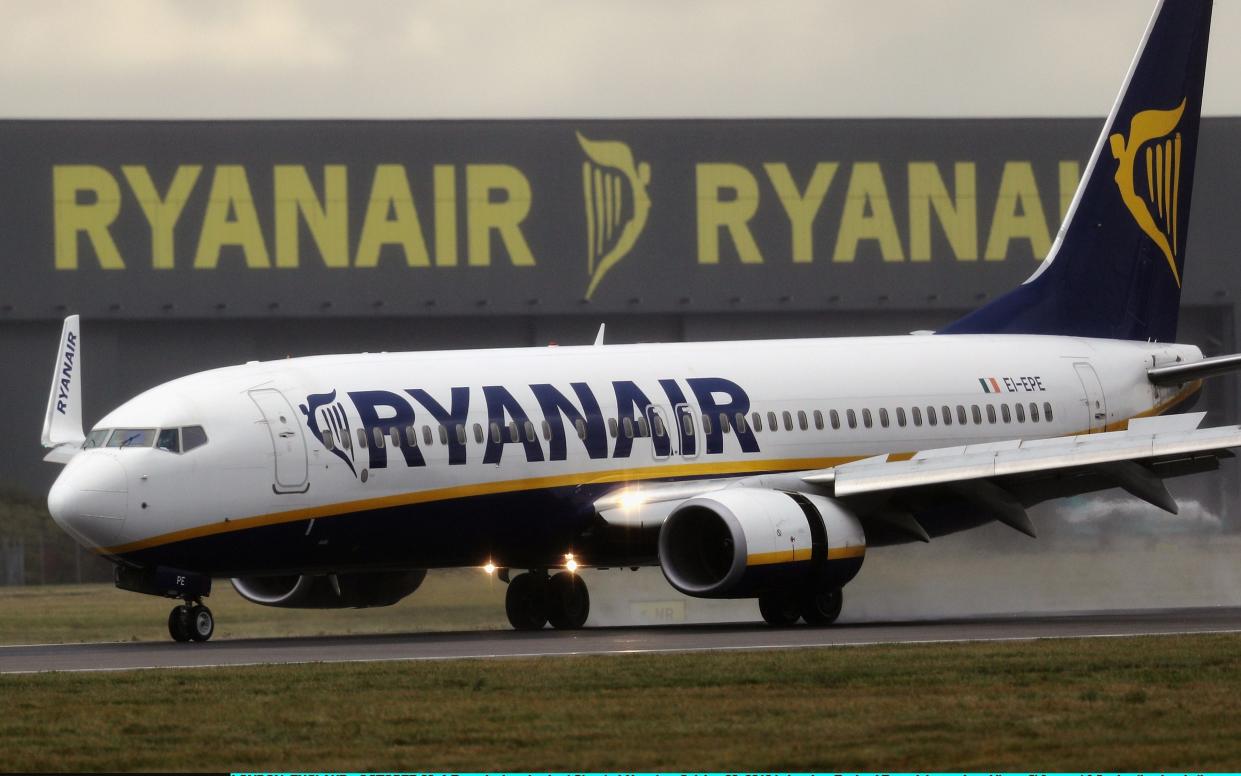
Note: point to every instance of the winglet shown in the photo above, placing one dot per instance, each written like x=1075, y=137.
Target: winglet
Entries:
x=62, y=425
x=599, y=336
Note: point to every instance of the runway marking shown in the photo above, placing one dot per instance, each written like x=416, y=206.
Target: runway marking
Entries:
x=629, y=651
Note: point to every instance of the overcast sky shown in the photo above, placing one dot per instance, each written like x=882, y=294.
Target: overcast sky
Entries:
x=565, y=58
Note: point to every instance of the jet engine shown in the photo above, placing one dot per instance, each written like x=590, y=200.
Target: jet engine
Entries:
x=742, y=542
x=330, y=591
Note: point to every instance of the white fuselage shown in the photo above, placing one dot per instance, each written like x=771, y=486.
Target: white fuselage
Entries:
x=510, y=439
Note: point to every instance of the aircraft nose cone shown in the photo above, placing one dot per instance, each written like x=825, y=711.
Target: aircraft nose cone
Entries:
x=90, y=499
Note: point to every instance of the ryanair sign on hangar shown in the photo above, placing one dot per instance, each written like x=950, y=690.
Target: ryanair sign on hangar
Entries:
x=319, y=217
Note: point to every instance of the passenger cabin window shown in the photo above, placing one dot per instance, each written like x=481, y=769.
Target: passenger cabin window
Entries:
x=530, y=435
x=961, y=415
x=612, y=427
x=802, y=422
x=379, y=438
x=990, y=413
x=976, y=411
x=687, y=424
x=931, y=420
x=427, y=439
x=1047, y=411
x=771, y=422
x=443, y=434
x=362, y=441
x=478, y=433
x=834, y=416
x=495, y=433
x=756, y=420
x=644, y=428
x=395, y=434
x=547, y=430
x=851, y=416
x=788, y=420
x=947, y=415
x=328, y=441
x=917, y=416
x=818, y=420
x=900, y=416
x=1021, y=413
x=741, y=423
x=866, y=420
x=514, y=433
x=657, y=424
x=580, y=425
x=706, y=423
x=411, y=436
x=1034, y=412
x=723, y=423
x=169, y=439
x=883, y=417
x=460, y=433
x=627, y=424
x=1005, y=414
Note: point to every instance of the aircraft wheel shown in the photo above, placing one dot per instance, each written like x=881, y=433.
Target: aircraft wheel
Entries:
x=568, y=602
x=179, y=623
x=202, y=623
x=525, y=603
x=779, y=609
x=822, y=607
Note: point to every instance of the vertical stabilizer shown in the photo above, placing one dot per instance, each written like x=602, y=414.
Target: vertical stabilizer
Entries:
x=1116, y=267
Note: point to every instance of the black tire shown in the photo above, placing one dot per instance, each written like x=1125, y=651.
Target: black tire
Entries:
x=179, y=623
x=822, y=607
x=568, y=602
x=201, y=623
x=525, y=602
x=779, y=609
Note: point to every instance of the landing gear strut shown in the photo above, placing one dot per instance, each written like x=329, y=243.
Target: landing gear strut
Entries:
x=534, y=599
x=782, y=608
x=191, y=622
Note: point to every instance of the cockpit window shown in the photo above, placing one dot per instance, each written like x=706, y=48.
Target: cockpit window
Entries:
x=132, y=437
x=191, y=437
x=169, y=439
x=96, y=438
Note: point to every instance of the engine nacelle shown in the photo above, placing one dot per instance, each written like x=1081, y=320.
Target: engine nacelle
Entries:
x=330, y=591
x=740, y=542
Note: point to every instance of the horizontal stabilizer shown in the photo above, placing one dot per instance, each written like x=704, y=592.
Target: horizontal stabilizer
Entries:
x=1178, y=374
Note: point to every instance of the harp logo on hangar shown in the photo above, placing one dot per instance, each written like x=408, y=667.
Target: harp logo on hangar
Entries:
x=1154, y=205
x=616, y=204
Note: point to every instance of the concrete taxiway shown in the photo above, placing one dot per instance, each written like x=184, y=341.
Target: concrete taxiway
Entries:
x=120, y=656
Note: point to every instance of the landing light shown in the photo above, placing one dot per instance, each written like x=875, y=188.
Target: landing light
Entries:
x=631, y=500
x=570, y=563
x=490, y=568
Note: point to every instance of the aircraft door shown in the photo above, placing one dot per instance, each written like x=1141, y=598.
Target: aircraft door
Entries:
x=661, y=433
x=686, y=433
x=288, y=444
x=1095, y=400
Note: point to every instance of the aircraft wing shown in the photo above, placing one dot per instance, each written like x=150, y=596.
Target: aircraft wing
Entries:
x=1003, y=478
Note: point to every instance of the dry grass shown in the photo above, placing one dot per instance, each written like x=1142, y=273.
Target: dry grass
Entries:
x=1153, y=703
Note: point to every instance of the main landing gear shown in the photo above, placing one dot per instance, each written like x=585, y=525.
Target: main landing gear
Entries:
x=534, y=599
x=191, y=621
x=782, y=608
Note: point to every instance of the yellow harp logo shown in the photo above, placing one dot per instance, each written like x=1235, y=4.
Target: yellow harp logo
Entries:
x=614, y=190
x=1152, y=132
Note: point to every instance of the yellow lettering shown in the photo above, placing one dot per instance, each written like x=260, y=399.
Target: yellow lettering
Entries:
x=504, y=217
x=958, y=217
x=327, y=221
x=162, y=214
x=93, y=218
x=445, y=215
x=733, y=214
x=801, y=207
x=867, y=191
x=1070, y=176
x=390, y=194
x=230, y=196
x=1018, y=192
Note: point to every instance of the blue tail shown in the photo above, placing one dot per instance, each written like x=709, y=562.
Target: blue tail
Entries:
x=1116, y=267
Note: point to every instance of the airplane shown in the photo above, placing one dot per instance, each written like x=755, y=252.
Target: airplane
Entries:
x=760, y=469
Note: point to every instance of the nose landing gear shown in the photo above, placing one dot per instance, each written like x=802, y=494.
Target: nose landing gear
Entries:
x=533, y=600
x=191, y=622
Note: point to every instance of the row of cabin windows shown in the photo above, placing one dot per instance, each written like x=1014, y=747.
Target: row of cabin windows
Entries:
x=515, y=432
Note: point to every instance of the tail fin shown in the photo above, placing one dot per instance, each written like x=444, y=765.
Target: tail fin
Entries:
x=1116, y=267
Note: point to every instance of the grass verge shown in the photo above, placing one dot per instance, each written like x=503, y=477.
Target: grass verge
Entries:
x=1132, y=704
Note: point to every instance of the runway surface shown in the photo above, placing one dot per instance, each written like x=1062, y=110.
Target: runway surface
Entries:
x=121, y=656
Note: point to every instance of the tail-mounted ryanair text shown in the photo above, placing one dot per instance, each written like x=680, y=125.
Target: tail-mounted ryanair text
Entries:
x=442, y=217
